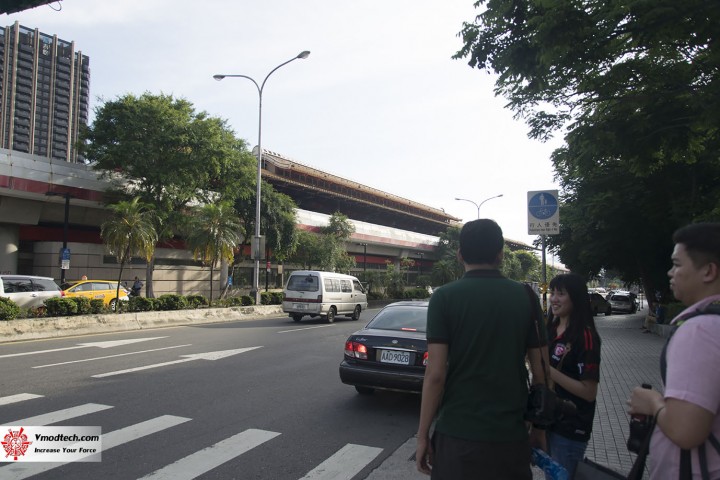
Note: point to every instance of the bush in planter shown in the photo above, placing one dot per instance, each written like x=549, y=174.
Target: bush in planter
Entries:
x=8, y=309
x=277, y=298
x=265, y=298
x=197, y=301
x=171, y=301
x=60, y=307
x=83, y=305
x=141, y=304
x=97, y=305
x=416, y=293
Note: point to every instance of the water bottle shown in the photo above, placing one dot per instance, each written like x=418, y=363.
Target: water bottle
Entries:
x=549, y=466
x=639, y=429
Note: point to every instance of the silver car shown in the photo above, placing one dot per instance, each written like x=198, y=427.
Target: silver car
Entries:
x=623, y=302
x=28, y=291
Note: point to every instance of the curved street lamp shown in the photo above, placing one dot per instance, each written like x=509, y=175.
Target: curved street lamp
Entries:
x=480, y=204
x=256, y=244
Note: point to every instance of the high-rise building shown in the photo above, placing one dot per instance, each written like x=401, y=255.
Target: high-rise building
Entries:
x=44, y=93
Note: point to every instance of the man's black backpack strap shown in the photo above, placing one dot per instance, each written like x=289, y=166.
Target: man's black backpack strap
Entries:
x=685, y=456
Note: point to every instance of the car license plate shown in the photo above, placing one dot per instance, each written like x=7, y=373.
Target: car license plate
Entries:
x=394, y=356
x=299, y=306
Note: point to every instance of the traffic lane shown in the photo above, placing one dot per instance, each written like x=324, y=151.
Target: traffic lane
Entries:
x=61, y=363
x=293, y=389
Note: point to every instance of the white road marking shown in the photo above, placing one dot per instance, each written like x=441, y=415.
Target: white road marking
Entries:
x=19, y=471
x=111, y=356
x=205, y=460
x=20, y=397
x=345, y=464
x=60, y=415
x=306, y=328
x=187, y=358
x=108, y=344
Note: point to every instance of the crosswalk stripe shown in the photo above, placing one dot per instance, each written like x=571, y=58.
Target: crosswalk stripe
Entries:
x=345, y=464
x=205, y=460
x=19, y=471
x=20, y=397
x=60, y=415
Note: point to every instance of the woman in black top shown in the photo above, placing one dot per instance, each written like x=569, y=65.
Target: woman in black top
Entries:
x=574, y=367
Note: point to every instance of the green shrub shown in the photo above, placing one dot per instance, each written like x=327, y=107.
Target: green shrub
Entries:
x=141, y=304
x=247, y=300
x=265, y=298
x=197, y=301
x=171, y=301
x=375, y=295
x=97, y=305
x=60, y=307
x=8, y=309
x=82, y=305
x=416, y=293
x=277, y=298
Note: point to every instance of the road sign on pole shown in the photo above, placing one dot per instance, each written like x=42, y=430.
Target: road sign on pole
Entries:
x=543, y=213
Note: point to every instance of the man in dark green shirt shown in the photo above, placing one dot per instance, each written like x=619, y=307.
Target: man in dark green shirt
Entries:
x=480, y=330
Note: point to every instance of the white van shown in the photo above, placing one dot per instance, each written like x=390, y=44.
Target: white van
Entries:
x=324, y=295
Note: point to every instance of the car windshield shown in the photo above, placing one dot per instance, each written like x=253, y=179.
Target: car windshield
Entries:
x=620, y=298
x=401, y=318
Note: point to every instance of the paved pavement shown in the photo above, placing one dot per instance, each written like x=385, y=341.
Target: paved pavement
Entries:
x=629, y=358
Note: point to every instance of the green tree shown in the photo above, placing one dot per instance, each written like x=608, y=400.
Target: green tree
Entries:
x=160, y=149
x=635, y=84
x=214, y=235
x=447, y=268
x=130, y=231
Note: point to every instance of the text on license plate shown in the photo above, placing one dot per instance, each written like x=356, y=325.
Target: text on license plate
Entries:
x=393, y=356
x=299, y=306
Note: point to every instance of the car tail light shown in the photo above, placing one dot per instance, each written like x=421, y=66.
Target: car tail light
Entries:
x=62, y=293
x=356, y=350
x=425, y=357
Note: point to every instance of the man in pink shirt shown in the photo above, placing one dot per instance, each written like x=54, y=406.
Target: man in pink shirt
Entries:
x=689, y=411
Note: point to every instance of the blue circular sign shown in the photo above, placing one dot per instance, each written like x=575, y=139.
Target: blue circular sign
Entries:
x=543, y=205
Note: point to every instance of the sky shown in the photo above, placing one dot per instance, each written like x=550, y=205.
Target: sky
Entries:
x=379, y=100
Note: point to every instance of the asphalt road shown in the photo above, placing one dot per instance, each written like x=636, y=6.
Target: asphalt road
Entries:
x=242, y=400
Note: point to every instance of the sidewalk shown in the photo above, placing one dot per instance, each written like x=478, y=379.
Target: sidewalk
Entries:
x=629, y=358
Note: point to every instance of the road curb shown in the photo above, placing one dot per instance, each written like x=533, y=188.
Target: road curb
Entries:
x=53, y=327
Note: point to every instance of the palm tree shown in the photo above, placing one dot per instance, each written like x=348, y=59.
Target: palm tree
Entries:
x=129, y=232
x=215, y=233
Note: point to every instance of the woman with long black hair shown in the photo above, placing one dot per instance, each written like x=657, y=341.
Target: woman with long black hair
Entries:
x=574, y=367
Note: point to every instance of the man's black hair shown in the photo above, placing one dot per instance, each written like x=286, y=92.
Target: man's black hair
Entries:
x=701, y=241
x=481, y=241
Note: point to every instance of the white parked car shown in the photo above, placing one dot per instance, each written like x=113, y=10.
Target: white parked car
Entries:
x=28, y=291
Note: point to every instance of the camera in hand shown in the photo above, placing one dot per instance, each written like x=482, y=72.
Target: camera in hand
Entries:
x=640, y=428
x=545, y=407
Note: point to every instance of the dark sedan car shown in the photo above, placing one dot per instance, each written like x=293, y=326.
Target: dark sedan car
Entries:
x=390, y=352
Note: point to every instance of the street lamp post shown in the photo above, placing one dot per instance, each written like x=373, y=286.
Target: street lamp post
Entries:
x=67, y=197
x=480, y=204
x=260, y=88
x=364, y=245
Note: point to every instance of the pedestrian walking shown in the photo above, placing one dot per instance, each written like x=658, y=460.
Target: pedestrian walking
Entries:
x=684, y=442
x=574, y=348
x=479, y=330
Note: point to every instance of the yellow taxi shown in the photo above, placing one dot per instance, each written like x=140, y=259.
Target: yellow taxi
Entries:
x=96, y=289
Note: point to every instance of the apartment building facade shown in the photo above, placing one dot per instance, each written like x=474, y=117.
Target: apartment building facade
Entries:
x=44, y=93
